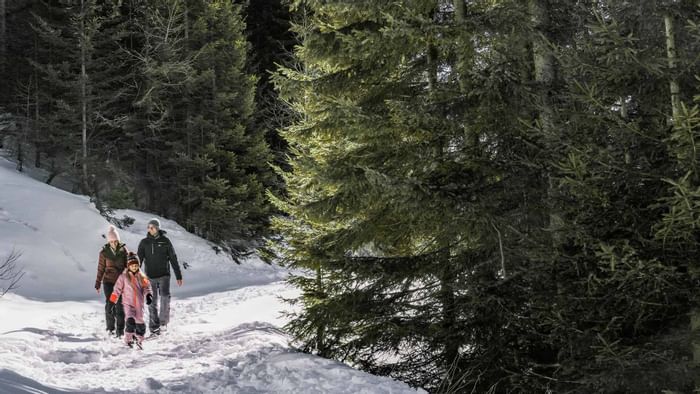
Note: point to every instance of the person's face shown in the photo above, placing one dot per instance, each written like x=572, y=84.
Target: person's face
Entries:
x=152, y=229
x=114, y=244
x=133, y=268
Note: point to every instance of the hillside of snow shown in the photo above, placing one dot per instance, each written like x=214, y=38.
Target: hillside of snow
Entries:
x=59, y=235
x=224, y=335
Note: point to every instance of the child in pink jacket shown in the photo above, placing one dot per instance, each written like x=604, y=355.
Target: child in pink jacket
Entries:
x=133, y=286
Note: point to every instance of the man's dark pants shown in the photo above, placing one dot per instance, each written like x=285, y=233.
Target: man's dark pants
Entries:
x=161, y=290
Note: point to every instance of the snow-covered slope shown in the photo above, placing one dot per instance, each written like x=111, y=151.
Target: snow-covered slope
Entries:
x=224, y=335
x=60, y=234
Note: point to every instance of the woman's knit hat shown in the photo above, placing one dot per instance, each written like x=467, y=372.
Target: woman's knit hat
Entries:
x=112, y=234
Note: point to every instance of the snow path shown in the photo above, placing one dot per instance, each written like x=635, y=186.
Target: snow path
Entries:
x=219, y=343
x=224, y=335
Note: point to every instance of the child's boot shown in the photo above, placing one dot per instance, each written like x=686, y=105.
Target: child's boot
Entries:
x=129, y=339
x=139, y=341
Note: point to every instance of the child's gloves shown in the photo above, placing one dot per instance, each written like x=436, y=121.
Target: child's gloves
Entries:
x=113, y=298
x=149, y=299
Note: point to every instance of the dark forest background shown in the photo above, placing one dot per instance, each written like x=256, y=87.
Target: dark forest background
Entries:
x=165, y=106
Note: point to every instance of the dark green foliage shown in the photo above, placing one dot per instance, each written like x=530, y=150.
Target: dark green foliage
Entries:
x=230, y=202
x=268, y=31
x=51, y=94
x=170, y=104
x=477, y=217
x=401, y=190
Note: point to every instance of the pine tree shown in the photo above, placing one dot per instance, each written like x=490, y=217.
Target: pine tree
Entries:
x=230, y=159
x=66, y=36
x=115, y=76
x=201, y=162
x=156, y=123
x=268, y=31
x=399, y=191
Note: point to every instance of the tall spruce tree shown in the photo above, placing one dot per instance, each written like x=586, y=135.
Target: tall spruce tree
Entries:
x=406, y=150
x=268, y=31
x=115, y=75
x=156, y=123
x=229, y=161
x=200, y=161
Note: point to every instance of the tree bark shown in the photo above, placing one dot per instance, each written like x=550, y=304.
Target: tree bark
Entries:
x=432, y=69
x=3, y=36
x=37, y=163
x=672, y=65
x=460, y=18
x=83, y=95
x=543, y=60
x=447, y=298
x=446, y=295
x=545, y=74
x=53, y=172
x=25, y=129
x=321, y=329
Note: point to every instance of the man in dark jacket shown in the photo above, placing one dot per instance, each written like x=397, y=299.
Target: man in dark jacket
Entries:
x=157, y=254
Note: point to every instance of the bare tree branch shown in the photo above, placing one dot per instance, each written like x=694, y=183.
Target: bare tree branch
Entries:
x=10, y=274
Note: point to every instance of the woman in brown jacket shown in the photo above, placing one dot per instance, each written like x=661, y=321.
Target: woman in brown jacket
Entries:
x=111, y=264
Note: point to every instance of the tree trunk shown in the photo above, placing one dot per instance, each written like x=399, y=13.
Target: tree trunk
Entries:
x=25, y=129
x=37, y=161
x=187, y=21
x=3, y=36
x=447, y=298
x=321, y=329
x=83, y=94
x=53, y=172
x=446, y=294
x=432, y=69
x=543, y=61
x=544, y=74
x=460, y=18
x=672, y=64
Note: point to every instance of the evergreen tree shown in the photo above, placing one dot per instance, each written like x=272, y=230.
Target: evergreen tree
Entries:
x=64, y=77
x=200, y=161
x=400, y=189
x=155, y=125
x=116, y=75
x=228, y=160
x=268, y=31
